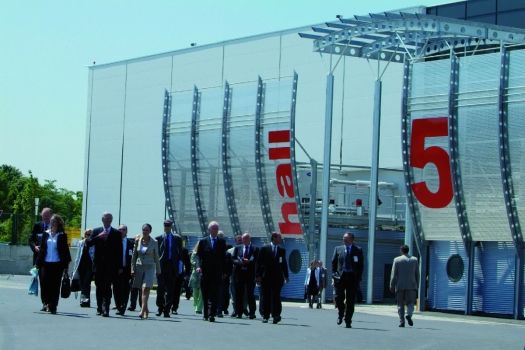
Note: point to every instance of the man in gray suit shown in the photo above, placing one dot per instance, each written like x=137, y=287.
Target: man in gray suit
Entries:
x=347, y=269
x=404, y=280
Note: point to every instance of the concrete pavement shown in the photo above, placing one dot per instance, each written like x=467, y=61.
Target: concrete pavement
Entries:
x=22, y=326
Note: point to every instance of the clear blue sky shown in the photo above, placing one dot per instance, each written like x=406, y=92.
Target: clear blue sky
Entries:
x=46, y=46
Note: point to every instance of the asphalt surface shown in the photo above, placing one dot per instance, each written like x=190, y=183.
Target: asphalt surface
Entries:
x=22, y=326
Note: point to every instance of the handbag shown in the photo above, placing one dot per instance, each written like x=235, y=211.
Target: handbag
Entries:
x=65, y=288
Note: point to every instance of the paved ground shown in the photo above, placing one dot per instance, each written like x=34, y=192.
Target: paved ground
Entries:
x=22, y=326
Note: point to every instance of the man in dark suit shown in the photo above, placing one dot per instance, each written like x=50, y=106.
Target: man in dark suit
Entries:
x=347, y=269
x=272, y=273
x=244, y=257
x=122, y=287
x=108, y=261
x=170, y=250
x=212, y=256
x=35, y=241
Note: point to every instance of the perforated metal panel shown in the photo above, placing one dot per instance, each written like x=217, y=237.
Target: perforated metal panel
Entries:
x=494, y=275
x=179, y=164
x=443, y=294
x=294, y=289
x=478, y=130
x=428, y=98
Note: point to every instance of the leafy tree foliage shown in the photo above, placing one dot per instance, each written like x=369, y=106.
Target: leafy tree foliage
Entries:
x=17, y=203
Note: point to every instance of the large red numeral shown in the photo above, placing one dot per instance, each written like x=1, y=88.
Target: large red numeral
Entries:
x=421, y=156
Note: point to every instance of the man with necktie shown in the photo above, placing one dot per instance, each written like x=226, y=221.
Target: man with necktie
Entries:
x=244, y=257
x=170, y=249
x=347, y=269
x=122, y=287
x=212, y=256
x=108, y=261
x=272, y=272
x=35, y=241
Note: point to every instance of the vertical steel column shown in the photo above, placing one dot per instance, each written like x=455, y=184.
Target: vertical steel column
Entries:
x=165, y=146
x=329, y=105
x=259, y=162
x=226, y=171
x=312, y=243
x=372, y=201
x=508, y=186
x=203, y=220
x=295, y=182
x=414, y=216
x=461, y=211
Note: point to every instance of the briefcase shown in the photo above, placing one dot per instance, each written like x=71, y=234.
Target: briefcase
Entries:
x=65, y=288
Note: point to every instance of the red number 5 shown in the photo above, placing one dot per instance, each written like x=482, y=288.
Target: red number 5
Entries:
x=421, y=156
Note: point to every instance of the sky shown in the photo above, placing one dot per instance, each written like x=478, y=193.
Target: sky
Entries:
x=46, y=47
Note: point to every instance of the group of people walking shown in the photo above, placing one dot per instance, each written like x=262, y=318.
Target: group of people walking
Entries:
x=126, y=268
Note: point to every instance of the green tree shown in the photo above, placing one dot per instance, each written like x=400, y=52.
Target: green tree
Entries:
x=17, y=194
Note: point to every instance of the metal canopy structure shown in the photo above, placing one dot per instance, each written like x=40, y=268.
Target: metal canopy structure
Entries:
x=409, y=38
x=398, y=36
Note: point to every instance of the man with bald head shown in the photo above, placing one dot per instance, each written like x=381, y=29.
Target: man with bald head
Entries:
x=108, y=261
x=212, y=256
x=244, y=257
x=347, y=269
x=35, y=239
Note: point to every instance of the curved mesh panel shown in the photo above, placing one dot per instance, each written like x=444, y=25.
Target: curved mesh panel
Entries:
x=179, y=164
x=429, y=89
x=478, y=133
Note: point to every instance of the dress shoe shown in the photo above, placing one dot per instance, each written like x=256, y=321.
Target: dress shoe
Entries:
x=239, y=316
x=44, y=308
x=212, y=318
x=114, y=308
x=339, y=320
x=319, y=306
x=158, y=313
x=166, y=315
x=234, y=315
x=131, y=308
x=174, y=312
x=311, y=306
x=265, y=320
x=205, y=318
x=53, y=311
x=105, y=314
x=99, y=312
x=401, y=324
x=348, y=324
x=276, y=319
x=118, y=313
x=226, y=312
x=220, y=316
x=246, y=313
x=251, y=317
x=409, y=320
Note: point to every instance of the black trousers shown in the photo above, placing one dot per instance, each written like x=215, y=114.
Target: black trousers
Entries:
x=136, y=293
x=210, y=292
x=271, y=297
x=121, y=290
x=104, y=278
x=51, y=279
x=223, y=299
x=244, y=293
x=166, y=287
x=86, y=275
x=346, y=290
x=177, y=288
